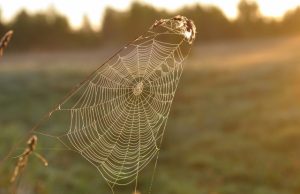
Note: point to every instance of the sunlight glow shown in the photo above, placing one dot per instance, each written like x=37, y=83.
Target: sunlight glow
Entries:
x=273, y=8
x=94, y=9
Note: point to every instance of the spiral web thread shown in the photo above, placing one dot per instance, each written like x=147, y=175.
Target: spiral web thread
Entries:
x=118, y=115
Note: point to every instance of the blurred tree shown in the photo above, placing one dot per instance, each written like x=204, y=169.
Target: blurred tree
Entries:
x=47, y=30
x=248, y=12
x=140, y=17
x=51, y=30
x=86, y=36
x=112, y=25
x=22, y=26
x=291, y=21
x=86, y=26
x=250, y=22
x=59, y=30
x=128, y=25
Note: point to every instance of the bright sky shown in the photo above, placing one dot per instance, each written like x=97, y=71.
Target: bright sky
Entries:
x=94, y=9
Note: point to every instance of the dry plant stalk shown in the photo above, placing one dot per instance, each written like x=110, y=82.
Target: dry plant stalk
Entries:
x=5, y=40
x=23, y=158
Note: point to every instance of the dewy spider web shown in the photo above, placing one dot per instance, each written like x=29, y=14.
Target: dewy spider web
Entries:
x=118, y=115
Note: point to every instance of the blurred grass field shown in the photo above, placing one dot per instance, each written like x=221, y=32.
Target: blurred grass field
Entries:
x=234, y=126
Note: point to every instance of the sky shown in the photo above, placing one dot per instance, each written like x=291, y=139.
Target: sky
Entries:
x=94, y=9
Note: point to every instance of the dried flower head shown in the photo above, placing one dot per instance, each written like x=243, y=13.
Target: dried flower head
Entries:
x=5, y=40
x=23, y=158
x=184, y=25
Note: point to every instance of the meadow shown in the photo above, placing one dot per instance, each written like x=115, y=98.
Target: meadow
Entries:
x=234, y=126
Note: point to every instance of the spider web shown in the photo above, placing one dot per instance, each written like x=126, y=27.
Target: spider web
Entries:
x=118, y=115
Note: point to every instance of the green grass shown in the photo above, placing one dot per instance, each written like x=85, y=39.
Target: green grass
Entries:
x=234, y=126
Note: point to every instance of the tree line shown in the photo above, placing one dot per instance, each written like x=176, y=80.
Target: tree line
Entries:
x=51, y=30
